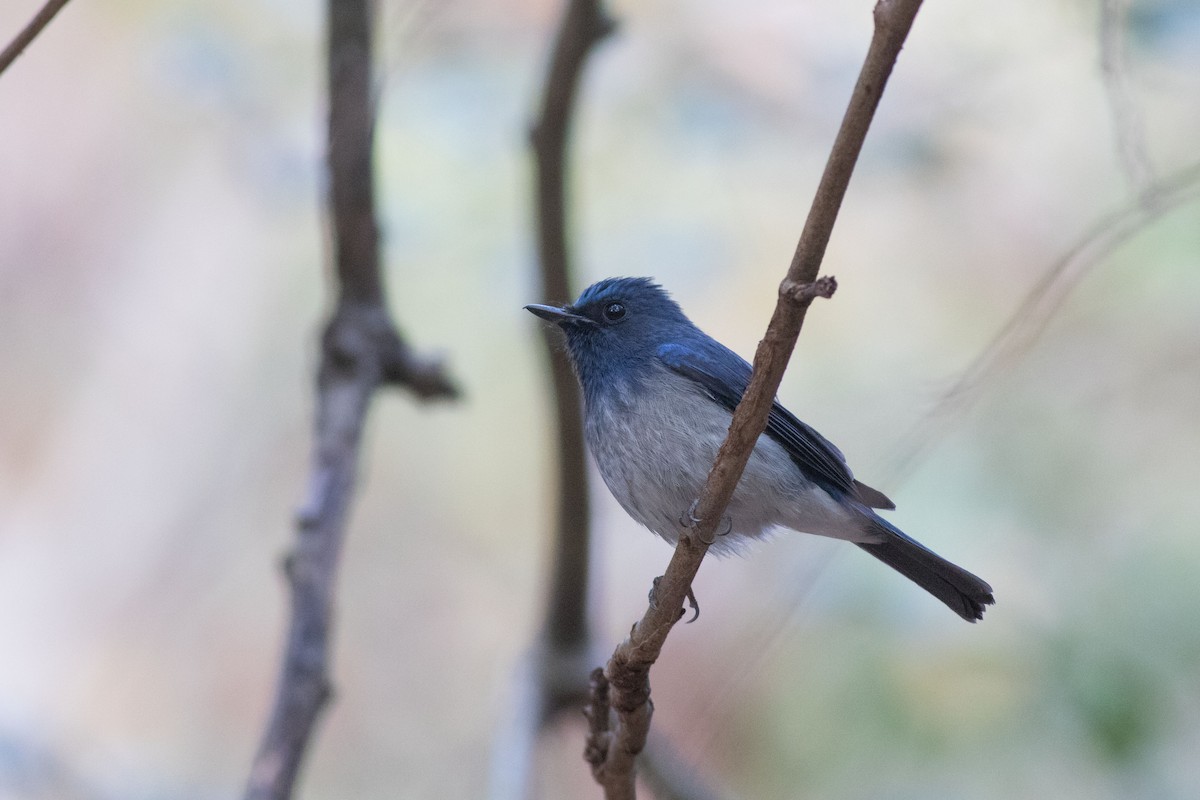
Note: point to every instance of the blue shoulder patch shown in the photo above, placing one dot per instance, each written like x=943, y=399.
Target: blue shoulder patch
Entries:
x=725, y=375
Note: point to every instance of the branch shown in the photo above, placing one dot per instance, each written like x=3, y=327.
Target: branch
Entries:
x=584, y=25
x=30, y=32
x=554, y=675
x=361, y=350
x=628, y=668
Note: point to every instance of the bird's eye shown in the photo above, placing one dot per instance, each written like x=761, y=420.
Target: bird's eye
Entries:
x=614, y=312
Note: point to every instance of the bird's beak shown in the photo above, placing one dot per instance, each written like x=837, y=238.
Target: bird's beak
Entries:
x=559, y=316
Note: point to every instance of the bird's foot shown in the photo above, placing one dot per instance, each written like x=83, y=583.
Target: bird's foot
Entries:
x=653, y=597
x=694, y=605
x=689, y=521
x=691, y=598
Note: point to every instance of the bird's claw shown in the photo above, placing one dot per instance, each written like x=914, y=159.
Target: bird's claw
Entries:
x=689, y=521
x=691, y=598
x=726, y=526
x=693, y=604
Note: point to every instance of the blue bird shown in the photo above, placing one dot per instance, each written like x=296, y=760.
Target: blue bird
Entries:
x=659, y=394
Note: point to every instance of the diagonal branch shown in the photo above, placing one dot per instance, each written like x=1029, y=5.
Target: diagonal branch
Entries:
x=361, y=350
x=628, y=668
x=30, y=32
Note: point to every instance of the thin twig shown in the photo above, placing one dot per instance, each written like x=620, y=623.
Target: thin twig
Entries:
x=361, y=351
x=628, y=669
x=1043, y=300
x=1128, y=125
x=30, y=32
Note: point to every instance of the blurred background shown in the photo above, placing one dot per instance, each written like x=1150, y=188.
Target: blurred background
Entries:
x=162, y=281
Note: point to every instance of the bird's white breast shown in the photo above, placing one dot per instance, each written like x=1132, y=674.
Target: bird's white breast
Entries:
x=655, y=442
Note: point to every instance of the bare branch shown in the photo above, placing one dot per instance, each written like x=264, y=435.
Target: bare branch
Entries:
x=558, y=662
x=30, y=32
x=1128, y=125
x=628, y=669
x=1046, y=297
x=361, y=351
x=599, y=737
x=584, y=24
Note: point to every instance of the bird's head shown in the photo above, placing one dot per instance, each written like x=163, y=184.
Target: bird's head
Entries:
x=617, y=325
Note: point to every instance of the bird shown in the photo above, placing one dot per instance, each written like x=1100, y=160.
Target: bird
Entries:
x=658, y=397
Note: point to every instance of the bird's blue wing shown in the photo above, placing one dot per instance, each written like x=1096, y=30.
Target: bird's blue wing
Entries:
x=725, y=375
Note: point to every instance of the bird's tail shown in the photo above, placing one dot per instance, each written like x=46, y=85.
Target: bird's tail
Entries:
x=965, y=593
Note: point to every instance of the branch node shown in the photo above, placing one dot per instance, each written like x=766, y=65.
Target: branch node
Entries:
x=360, y=350
x=805, y=293
x=603, y=26
x=424, y=376
x=597, y=712
x=344, y=342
